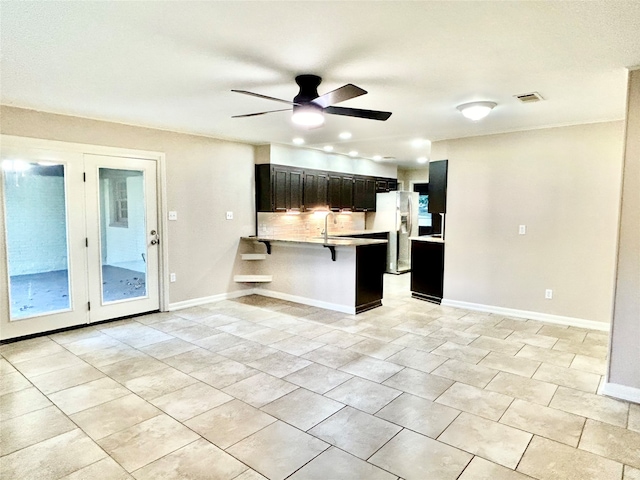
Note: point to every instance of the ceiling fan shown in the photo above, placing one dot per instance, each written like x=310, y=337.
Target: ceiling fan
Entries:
x=309, y=107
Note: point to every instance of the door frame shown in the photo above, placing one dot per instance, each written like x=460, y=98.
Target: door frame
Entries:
x=81, y=148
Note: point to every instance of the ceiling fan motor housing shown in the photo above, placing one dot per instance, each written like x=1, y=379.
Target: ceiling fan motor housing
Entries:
x=308, y=88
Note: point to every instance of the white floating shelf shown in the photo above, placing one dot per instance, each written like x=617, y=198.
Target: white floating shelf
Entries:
x=252, y=278
x=253, y=256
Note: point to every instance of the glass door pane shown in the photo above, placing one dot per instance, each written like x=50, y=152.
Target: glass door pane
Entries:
x=123, y=239
x=37, y=238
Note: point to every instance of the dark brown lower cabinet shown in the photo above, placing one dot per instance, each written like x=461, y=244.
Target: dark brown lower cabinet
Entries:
x=427, y=270
x=370, y=267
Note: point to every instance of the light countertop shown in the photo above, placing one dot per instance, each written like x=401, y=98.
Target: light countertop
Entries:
x=427, y=238
x=349, y=233
x=332, y=240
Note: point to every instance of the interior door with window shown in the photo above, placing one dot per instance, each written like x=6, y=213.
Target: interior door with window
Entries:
x=122, y=236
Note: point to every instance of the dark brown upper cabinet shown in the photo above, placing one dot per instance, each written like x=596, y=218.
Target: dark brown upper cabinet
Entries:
x=438, y=186
x=334, y=194
x=340, y=191
x=386, y=185
x=346, y=192
x=315, y=189
x=296, y=189
x=364, y=194
x=280, y=188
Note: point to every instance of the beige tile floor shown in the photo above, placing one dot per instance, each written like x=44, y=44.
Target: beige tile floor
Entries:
x=258, y=388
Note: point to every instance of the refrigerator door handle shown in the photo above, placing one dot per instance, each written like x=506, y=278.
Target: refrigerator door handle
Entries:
x=410, y=216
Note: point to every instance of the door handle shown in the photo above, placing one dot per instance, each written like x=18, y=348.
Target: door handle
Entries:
x=155, y=242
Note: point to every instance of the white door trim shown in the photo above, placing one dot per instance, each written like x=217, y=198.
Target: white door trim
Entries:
x=81, y=148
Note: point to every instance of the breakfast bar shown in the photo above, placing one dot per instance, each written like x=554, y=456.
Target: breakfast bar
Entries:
x=342, y=274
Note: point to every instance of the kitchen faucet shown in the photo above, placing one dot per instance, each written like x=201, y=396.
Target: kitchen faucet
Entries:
x=325, y=232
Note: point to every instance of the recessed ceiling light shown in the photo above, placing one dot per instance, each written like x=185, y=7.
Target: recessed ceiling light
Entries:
x=298, y=141
x=422, y=160
x=328, y=148
x=476, y=110
x=353, y=153
x=377, y=158
x=345, y=135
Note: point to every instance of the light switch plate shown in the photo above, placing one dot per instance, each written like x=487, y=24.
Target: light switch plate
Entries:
x=173, y=215
x=522, y=230
x=229, y=215
x=172, y=277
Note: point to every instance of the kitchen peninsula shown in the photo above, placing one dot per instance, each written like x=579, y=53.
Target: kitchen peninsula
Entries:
x=343, y=274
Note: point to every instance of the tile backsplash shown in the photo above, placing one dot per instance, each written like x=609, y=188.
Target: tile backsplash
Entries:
x=307, y=224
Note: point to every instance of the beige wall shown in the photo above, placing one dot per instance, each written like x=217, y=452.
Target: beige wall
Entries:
x=205, y=178
x=564, y=185
x=316, y=159
x=624, y=368
x=409, y=176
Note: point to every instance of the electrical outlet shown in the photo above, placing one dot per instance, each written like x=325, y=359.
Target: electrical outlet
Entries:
x=548, y=294
x=522, y=230
x=173, y=215
x=172, y=277
x=229, y=215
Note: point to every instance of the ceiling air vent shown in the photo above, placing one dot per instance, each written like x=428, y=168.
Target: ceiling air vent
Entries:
x=529, y=97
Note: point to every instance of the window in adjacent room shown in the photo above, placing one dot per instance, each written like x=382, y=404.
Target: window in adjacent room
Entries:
x=119, y=207
x=424, y=217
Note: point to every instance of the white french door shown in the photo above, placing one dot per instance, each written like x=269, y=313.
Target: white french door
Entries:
x=43, y=252
x=78, y=239
x=122, y=236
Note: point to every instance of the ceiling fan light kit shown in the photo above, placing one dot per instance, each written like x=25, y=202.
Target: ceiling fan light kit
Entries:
x=307, y=115
x=476, y=110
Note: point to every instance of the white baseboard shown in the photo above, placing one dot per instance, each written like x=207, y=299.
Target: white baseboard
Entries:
x=195, y=302
x=305, y=301
x=543, y=317
x=622, y=392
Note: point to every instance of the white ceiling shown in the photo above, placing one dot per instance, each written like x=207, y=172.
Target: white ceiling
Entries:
x=171, y=65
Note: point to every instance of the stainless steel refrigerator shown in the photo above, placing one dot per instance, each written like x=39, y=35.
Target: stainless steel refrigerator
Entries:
x=397, y=213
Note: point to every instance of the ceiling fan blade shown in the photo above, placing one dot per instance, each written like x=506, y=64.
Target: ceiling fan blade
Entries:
x=346, y=92
x=358, y=112
x=244, y=92
x=260, y=113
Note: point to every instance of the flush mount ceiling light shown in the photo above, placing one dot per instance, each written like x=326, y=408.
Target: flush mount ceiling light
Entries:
x=345, y=135
x=328, y=148
x=476, y=110
x=308, y=115
x=377, y=158
x=353, y=153
x=298, y=141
